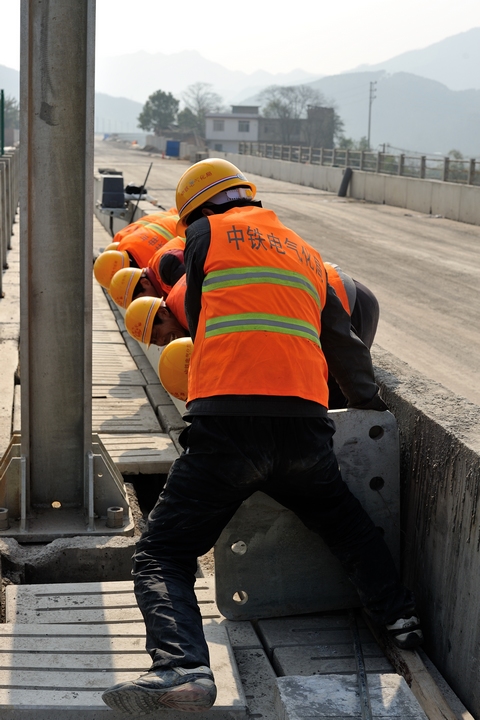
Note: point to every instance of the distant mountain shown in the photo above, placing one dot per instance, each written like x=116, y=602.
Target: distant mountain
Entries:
x=10, y=81
x=408, y=112
x=116, y=114
x=140, y=74
x=455, y=61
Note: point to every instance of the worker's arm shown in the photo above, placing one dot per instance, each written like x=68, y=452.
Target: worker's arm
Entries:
x=349, y=360
x=196, y=248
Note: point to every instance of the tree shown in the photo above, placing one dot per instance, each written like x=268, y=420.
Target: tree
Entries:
x=12, y=112
x=293, y=103
x=159, y=112
x=199, y=100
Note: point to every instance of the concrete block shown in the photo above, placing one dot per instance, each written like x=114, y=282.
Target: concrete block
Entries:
x=286, y=569
x=52, y=672
x=375, y=187
x=170, y=418
x=157, y=395
x=419, y=195
x=396, y=191
x=307, y=174
x=336, y=697
x=150, y=375
x=328, y=659
x=334, y=179
x=356, y=189
x=242, y=634
x=133, y=346
x=469, y=211
x=309, y=630
x=446, y=200
x=98, y=559
x=259, y=682
x=143, y=363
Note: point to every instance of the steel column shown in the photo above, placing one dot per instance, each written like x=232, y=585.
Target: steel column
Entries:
x=56, y=89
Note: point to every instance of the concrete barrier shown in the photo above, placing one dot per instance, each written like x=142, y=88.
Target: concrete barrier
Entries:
x=440, y=494
x=450, y=200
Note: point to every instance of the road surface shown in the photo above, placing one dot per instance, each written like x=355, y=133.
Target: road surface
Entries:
x=424, y=270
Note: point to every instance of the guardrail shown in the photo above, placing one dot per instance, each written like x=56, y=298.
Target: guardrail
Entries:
x=446, y=169
x=9, y=195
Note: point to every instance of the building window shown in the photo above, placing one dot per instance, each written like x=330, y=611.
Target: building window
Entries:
x=218, y=147
x=244, y=126
x=219, y=125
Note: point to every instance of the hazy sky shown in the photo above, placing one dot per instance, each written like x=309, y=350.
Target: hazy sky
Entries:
x=324, y=37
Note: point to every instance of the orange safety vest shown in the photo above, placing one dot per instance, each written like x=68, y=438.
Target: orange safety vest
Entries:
x=336, y=281
x=145, y=220
x=175, y=301
x=259, y=326
x=144, y=241
x=176, y=245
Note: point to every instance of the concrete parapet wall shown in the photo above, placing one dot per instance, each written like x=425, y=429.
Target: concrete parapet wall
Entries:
x=451, y=200
x=440, y=481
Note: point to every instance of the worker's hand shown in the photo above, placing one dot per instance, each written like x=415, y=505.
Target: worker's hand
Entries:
x=376, y=403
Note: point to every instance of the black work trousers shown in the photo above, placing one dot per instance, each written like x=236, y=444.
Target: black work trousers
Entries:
x=226, y=459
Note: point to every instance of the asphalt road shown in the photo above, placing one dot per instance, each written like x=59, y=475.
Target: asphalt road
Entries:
x=424, y=270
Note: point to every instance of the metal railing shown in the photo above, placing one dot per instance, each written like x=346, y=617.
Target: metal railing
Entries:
x=446, y=169
x=9, y=162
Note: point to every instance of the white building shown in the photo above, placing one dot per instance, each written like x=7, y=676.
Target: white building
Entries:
x=223, y=131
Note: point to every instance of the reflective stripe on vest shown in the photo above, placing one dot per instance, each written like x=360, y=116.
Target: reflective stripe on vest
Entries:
x=250, y=275
x=248, y=322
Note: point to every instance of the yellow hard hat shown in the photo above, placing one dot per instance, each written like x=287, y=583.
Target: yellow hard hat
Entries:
x=123, y=285
x=112, y=246
x=204, y=180
x=173, y=367
x=140, y=316
x=107, y=264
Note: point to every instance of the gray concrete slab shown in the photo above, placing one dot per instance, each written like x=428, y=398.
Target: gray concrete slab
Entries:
x=111, y=337
x=123, y=416
x=60, y=668
x=336, y=697
x=307, y=630
x=141, y=454
x=328, y=659
x=90, y=602
x=259, y=682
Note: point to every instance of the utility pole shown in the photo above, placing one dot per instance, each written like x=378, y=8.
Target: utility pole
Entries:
x=372, y=97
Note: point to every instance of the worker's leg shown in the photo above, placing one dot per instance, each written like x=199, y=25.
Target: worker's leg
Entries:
x=204, y=488
x=308, y=481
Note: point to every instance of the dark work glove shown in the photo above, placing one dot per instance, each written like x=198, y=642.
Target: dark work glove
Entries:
x=376, y=403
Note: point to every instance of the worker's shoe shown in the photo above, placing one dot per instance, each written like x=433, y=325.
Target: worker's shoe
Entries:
x=406, y=633
x=191, y=690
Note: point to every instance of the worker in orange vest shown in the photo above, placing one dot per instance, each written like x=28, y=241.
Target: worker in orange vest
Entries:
x=151, y=219
x=163, y=270
x=362, y=306
x=264, y=323
x=136, y=248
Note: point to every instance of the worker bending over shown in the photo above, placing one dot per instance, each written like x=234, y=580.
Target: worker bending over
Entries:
x=264, y=322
